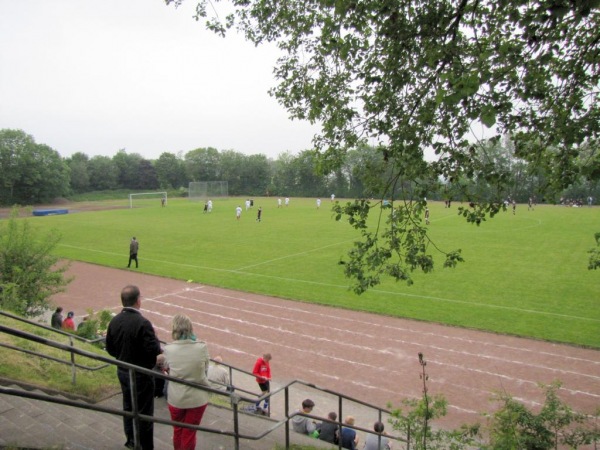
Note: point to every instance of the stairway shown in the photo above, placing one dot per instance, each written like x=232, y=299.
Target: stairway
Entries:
x=34, y=424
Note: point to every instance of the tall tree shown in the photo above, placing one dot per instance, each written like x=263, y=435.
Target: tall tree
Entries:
x=416, y=77
x=170, y=171
x=307, y=182
x=256, y=174
x=128, y=165
x=31, y=173
x=80, y=179
x=282, y=179
x=202, y=164
x=148, y=178
x=103, y=173
x=231, y=168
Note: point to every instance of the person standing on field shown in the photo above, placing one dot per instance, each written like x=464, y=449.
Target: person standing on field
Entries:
x=134, y=246
x=238, y=212
x=262, y=372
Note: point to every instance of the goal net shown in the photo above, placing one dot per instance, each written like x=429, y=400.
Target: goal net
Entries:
x=203, y=190
x=147, y=199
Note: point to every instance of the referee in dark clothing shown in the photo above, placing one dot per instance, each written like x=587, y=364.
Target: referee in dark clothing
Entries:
x=130, y=338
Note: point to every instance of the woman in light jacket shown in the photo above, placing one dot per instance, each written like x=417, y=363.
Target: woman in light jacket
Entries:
x=186, y=358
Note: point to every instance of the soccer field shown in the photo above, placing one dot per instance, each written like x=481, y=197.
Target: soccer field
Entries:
x=525, y=274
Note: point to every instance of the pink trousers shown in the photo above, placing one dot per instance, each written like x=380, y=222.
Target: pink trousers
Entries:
x=185, y=438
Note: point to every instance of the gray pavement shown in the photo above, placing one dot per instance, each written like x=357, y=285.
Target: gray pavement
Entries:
x=35, y=424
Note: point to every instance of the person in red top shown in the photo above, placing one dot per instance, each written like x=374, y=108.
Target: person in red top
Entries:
x=68, y=323
x=262, y=372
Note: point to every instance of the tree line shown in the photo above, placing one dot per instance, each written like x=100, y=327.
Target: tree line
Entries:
x=34, y=173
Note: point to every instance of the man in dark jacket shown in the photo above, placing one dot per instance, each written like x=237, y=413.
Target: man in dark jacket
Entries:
x=134, y=246
x=131, y=338
x=57, y=319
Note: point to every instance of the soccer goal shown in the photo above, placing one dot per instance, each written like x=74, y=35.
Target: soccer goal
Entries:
x=148, y=199
x=203, y=190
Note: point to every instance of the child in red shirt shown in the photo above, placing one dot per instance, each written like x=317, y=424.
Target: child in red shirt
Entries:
x=262, y=372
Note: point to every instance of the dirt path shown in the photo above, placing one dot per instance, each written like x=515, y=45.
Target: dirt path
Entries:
x=369, y=357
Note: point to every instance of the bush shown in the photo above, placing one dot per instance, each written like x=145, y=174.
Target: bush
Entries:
x=556, y=425
x=512, y=426
x=94, y=325
x=29, y=273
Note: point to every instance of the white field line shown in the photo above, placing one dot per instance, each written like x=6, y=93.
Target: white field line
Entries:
x=293, y=255
x=345, y=287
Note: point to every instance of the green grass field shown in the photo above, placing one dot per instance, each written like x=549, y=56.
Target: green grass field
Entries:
x=525, y=274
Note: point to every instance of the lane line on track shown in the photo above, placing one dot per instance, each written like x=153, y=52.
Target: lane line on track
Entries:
x=370, y=324
x=342, y=343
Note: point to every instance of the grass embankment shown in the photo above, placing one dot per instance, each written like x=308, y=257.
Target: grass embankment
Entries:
x=525, y=274
x=45, y=373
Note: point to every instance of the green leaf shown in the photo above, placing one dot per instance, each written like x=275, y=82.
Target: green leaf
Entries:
x=488, y=116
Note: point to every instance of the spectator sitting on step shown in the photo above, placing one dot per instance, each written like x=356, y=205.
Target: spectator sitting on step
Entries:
x=218, y=375
x=302, y=424
x=57, y=318
x=328, y=431
x=69, y=323
x=348, y=436
x=375, y=442
x=84, y=319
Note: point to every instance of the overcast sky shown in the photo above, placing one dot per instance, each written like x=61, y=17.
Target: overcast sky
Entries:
x=97, y=76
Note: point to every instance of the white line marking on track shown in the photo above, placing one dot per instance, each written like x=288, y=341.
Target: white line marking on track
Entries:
x=305, y=337
x=373, y=325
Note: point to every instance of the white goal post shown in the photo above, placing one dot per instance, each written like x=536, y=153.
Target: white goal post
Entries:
x=162, y=196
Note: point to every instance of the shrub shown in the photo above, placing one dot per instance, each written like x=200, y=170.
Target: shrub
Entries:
x=94, y=325
x=29, y=273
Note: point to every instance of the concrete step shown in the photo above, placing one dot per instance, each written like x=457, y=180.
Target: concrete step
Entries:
x=35, y=424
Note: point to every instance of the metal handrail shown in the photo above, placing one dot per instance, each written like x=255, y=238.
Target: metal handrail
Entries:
x=49, y=328
x=72, y=337
x=132, y=369
x=234, y=397
x=51, y=358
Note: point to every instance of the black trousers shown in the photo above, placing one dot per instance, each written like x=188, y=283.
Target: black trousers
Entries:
x=145, y=401
x=133, y=257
